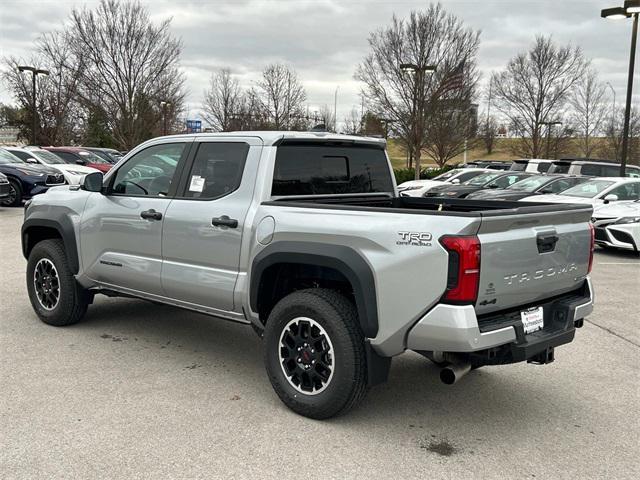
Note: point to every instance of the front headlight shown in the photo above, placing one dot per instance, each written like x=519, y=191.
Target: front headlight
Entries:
x=406, y=189
x=30, y=173
x=625, y=220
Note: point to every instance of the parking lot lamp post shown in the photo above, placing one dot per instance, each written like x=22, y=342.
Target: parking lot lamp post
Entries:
x=417, y=105
x=631, y=9
x=165, y=106
x=34, y=73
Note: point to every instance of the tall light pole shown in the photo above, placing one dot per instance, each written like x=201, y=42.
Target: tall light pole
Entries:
x=34, y=73
x=631, y=9
x=164, y=106
x=417, y=105
x=335, y=109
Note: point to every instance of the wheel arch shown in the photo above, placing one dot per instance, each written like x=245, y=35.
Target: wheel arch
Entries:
x=35, y=230
x=336, y=262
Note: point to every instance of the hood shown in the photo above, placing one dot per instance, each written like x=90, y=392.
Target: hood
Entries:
x=77, y=168
x=554, y=198
x=31, y=168
x=449, y=190
x=500, y=194
x=617, y=209
x=419, y=183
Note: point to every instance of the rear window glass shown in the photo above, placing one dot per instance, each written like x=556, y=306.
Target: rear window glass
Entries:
x=559, y=168
x=330, y=169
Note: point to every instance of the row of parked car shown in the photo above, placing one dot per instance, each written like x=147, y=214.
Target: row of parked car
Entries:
x=28, y=171
x=616, y=200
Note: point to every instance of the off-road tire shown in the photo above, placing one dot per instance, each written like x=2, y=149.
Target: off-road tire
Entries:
x=73, y=300
x=339, y=319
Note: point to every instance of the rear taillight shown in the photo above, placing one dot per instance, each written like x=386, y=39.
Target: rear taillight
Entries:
x=464, y=268
x=593, y=238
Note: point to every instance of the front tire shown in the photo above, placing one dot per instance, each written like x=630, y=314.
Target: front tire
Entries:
x=15, y=194
x=314, y=353
x=55, y=295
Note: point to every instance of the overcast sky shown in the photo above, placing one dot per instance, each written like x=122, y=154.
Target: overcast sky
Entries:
x=325, y=39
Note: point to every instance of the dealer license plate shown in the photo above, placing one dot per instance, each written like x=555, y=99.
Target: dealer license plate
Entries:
x=532, y=319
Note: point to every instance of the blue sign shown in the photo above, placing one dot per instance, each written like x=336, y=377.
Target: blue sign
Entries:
x=194, y=126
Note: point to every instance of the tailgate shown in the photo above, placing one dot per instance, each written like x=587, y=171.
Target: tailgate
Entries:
x=527, y=257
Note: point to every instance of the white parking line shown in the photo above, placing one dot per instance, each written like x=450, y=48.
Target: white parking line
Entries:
x=618, y=263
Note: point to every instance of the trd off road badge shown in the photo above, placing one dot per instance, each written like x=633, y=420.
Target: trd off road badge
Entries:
x=416, y=239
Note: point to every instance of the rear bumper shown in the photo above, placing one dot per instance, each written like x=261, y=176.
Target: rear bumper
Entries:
x=457, y=329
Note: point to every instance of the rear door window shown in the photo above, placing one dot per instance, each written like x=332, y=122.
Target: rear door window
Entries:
x=321, y=169
x=217, y=169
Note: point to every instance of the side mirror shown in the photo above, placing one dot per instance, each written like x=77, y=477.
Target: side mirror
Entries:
x=81, y=162
x=92, y=182
x=455, y=181
x=611, y=198
x=31, y=160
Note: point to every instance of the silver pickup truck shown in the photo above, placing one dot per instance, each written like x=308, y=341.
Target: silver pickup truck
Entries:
x=303, y=237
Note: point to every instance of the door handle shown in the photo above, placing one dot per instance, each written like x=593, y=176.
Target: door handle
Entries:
x=151, y=215
x=224, y=221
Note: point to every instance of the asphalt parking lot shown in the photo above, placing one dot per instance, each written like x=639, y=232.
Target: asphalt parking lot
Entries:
x=139, y=390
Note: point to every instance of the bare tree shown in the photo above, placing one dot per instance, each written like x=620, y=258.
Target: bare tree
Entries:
x=452, y=129
x=488, y=132
x=282, y=97
x=611, y=145
x=589, y=110
x=56, y=102
x=352, y=124
x=534, y=88
x=223, y=101
x=426, y=38
x=327, y=117
x=130, y=66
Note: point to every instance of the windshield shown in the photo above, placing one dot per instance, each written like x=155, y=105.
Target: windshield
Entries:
x=484, y=178
x=530, y=184
x=7, y=157
x=48, y=157
x=91, y=157
x=447, y=175
x=588, y=189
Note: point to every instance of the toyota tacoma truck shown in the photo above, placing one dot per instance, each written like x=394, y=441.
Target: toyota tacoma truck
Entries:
x=303, y=237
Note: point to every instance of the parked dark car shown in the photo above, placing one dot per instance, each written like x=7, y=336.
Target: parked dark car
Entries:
x=5, y=188
x=81, y=156
x=497, y=179
x=26, y=180
x=111, y=155
x=535, y=185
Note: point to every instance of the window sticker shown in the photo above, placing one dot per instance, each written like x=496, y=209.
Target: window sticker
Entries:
x=197, y=183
